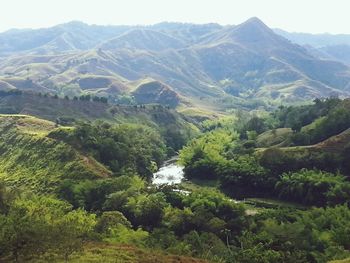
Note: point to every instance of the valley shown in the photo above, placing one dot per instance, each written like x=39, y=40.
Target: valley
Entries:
x=173, y=142
x=106, y=167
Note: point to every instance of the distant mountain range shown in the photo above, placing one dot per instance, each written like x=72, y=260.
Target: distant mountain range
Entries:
x=326, y=46
x=173, y=63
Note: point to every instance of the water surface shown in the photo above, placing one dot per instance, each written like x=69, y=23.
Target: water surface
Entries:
x=169, y=173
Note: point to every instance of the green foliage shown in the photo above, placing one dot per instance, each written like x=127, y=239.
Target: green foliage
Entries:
x=213, y=156
x=244, y=175
x=201, y=156
x=312, y=187
x=165, y=239
x=38, y=225
x=228, y=123
x=6, y=197
x=206, y=210
x=146, y=210
x=32, y=160
x=202, y=222
x=320, y=120
x=100, y=194
x=254, y=125
x=109, y=220
x=334, y=123
x=280, y=160
x=122, y=147
x=124, y=235
x=316, y=235
x=296, y=117
x=205, y=245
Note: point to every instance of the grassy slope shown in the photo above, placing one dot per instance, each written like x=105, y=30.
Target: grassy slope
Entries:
x=30, y=158
x=341, y=261
x=335, y=144
x=277, y=137
x=311, y=155
x=108, y=253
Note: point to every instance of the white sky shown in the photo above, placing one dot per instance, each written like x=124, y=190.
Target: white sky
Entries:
x=313, y=16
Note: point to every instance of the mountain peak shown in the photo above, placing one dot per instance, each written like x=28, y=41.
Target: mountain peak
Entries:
x=255, y=20
x=255, y=34
x=74, y=23
x=254, y=24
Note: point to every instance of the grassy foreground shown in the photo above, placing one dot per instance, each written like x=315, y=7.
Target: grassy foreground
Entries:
x=107, y=253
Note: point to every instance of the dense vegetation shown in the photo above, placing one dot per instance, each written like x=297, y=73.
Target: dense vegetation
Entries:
x=311, y=176
x=233, y=158
x=203, y=224
x=122, y=148
x=59, y=214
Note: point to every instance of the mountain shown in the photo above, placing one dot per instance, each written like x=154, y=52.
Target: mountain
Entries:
x=252, y=34
x=338, y=52
x=209, y=66
x=315, y=40
x=76, y=35
x=252, y=56
x=143, y=39
x=64, y=37
x=326, y=46
x=187, y=32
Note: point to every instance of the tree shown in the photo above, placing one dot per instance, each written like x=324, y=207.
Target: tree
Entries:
x=36, y=225
x=147, y=210
x=70, y=232
x=313, y=187
x=255, y=124
x=123, y=148
x=111, y=219
x=245, y=175
x=203, y=155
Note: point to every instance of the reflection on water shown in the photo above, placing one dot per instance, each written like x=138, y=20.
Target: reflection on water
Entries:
x=169, y=173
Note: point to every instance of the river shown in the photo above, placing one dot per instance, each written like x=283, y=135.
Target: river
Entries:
x=172, y=173
x=169, y=173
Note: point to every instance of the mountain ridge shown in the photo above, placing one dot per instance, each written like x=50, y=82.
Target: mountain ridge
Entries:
x=209, y=61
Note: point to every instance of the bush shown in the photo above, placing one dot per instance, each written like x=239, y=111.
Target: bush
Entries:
x=312, y=187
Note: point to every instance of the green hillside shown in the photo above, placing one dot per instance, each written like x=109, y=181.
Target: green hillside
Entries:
x=95, y=252
x=276, y=137
x=31, y=159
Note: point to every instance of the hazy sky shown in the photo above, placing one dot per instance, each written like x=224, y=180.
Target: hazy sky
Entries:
x=314, y=16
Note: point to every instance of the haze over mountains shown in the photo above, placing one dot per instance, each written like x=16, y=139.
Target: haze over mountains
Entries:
x=328, y=46
x=178, y=63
